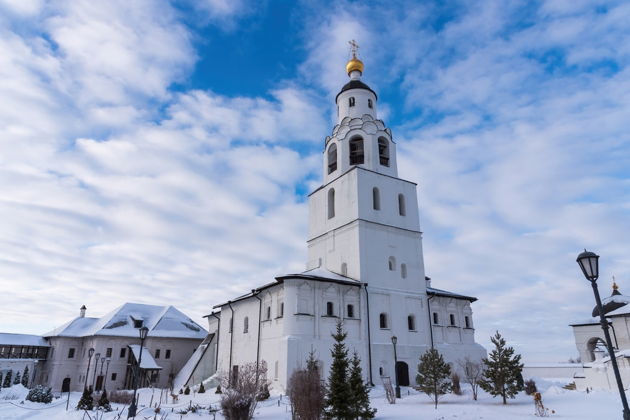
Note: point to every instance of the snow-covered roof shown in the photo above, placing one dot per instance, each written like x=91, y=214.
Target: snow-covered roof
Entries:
x=326, y=274
x=148, y=362
x=613, y=302
x=10, y=339
x=162, y=321
x=445, y=293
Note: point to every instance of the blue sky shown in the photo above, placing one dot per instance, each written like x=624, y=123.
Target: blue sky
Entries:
x=160, y=152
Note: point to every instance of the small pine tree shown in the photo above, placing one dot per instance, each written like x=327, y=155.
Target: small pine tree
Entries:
x=456, y=386
x=338, y=392
x=187, y=391
x=202, y=389
x=40, y=394
x=18, y=379
x=359, y=393
x=103, y=402
x=180, y=391
x=433, y=375
x=503, y=371
x=263, y=394
x=7, y=379
x=218, y=391
x=25, y=377
x=86, y=402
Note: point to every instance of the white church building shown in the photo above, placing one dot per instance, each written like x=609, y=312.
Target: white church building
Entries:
x=365, y=267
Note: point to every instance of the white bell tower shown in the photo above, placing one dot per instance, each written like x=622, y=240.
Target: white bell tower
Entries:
x=364, y=219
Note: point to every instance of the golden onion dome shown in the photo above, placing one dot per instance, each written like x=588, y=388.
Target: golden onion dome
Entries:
x=354, y=64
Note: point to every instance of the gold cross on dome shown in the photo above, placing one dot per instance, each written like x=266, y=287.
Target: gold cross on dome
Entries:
x=354, y=48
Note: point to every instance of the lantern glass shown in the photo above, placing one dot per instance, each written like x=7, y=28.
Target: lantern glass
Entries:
x=394, y=340
x=589, y=263
x=91, y=352
x=143, y=333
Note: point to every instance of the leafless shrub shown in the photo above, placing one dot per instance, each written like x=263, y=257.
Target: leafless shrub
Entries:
x=472, y=374
x=120, y=397
x=239, y=399
x=307, y=394
x=530, y=387
x=456, y=387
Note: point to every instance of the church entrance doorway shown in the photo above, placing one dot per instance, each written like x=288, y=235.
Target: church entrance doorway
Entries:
x=402, y=372
x=65, y=385
x=99, y=382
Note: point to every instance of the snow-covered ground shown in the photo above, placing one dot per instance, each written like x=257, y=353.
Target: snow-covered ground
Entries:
x=597, y=405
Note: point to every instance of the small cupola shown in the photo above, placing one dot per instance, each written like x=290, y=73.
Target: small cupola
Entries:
x=615, y=301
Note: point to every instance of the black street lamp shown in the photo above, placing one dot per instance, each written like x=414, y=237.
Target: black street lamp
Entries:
x=96, y=357
x=109, y=359
x=589, y=263
x=394, y=341
x=87, y=371
x=131, y=412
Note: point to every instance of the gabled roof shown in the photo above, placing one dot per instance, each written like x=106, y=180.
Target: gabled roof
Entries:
x=162, y=321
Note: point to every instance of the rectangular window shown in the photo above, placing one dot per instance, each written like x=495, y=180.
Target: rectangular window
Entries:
x=452, y=319
x=268, y=313
x=356, y=151
x=113, y=376
x=108, y=352
x=167, y=355
x=467, y=322
x=71, y=353
x=350, y=311
x=281, y=314
x=330, y=309
x=123, y=352
x=157, y=353
x=435, y=318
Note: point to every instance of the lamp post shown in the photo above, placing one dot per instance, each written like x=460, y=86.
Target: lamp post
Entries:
x=87, y=371
x=96, y=357
x=109, y=359
x=394, y=341
x=131, y=412
x=100, y=373
x=589, y=263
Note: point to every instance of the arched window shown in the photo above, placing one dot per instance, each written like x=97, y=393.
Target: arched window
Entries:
x=383, y=151
x=350, y=311
x=351, y=101
x=268, y=313
x=370, y=105
x=331, y=203
x=382, y=320
x=332, y=158
x=356, y=151
x=330, y=309
x=403, y=271
x=411, y=322
x=344, y=269
x=401, y=205
x=392, y=264
x=376, y=199
x=245, y=325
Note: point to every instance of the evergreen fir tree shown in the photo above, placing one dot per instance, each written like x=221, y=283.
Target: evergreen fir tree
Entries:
x=0, y=379
x=434, y=375
x=202, y=389
x=7, y=379
x=187, y=391
x=86, y=402
x=25, y=377
x=311, y=362
x=338, y=392
x=503, y=371
x=103, y=402
x=18, y=379
x=359, y=393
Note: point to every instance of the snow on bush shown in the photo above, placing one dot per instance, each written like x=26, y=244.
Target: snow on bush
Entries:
x=40, y=394
x=15, y=392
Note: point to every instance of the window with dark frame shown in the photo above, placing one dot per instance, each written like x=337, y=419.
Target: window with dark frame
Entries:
x=411, y=322
x=401, y=205
x=246, y=325
x=268, y=312
x=452, y=319
x=351, y=101
x=376, y=199
x=330, y=309
x=350, y=311
x=382, y=319
x=332, y=158
x=123, y=352
x=467, y=322
x=383, y=151
x=108, y=352
x=167, y=355
x=157, y=353
x=370, y=104
x=356, y=151
x=435, y=318
x=71, y=353
x=331, y=203
x=114, y=376
x=281, y=314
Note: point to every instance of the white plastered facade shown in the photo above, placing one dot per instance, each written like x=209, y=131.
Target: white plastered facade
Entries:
x=365, y=267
